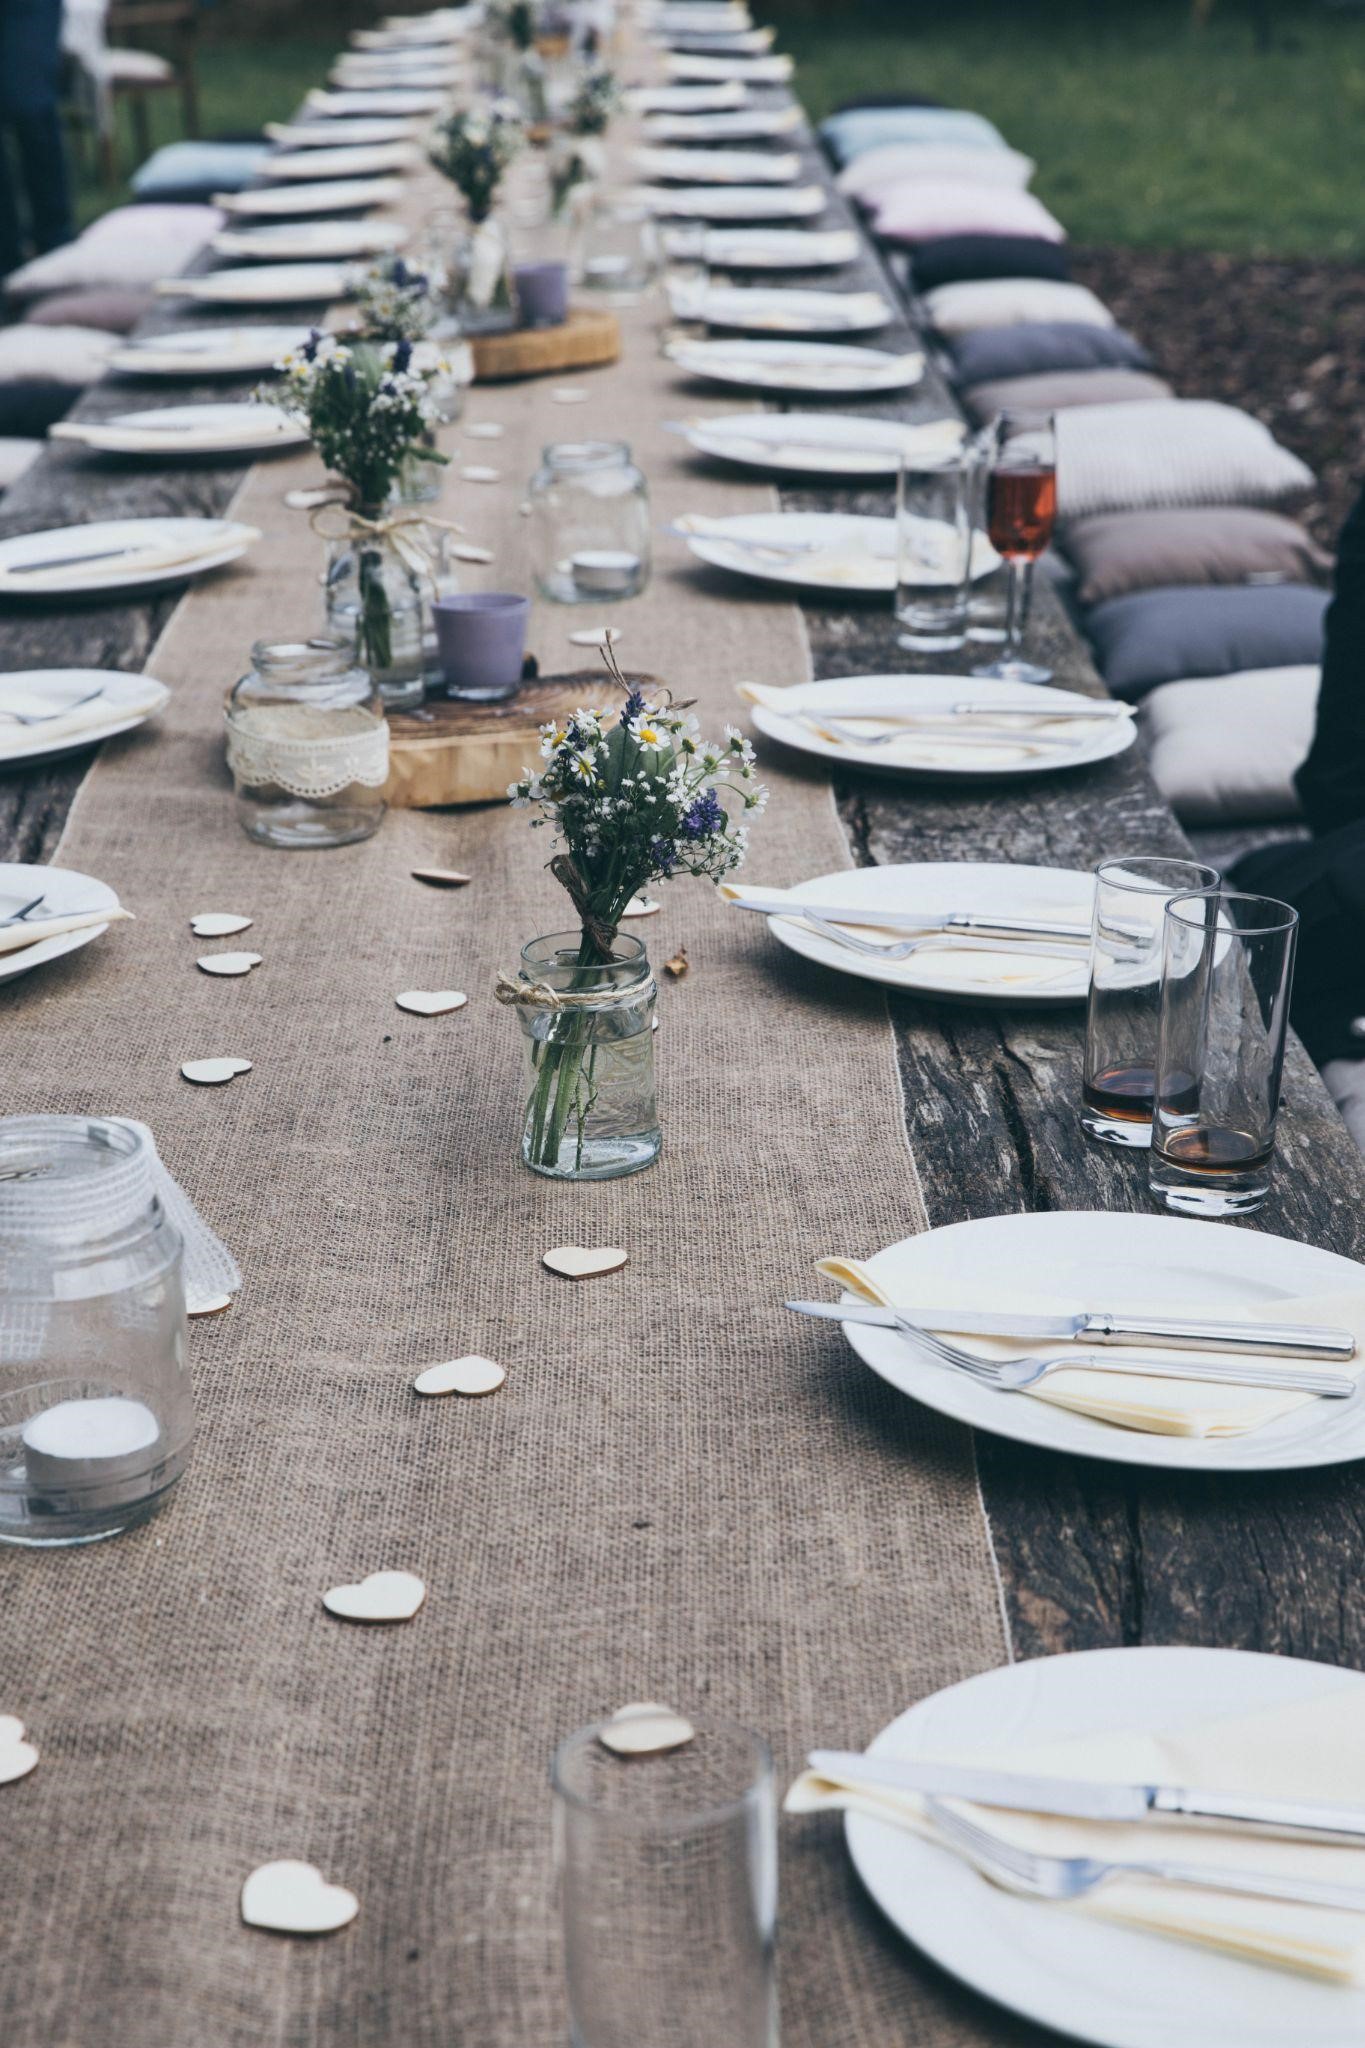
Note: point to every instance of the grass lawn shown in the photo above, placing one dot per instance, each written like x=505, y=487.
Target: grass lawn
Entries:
x=1145, y=129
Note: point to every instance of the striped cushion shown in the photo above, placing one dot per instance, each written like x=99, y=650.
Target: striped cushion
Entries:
x=1187, y=451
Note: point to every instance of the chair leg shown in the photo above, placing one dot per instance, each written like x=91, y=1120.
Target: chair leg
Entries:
x=189, y=97
x=108, y=165
x=142, y=127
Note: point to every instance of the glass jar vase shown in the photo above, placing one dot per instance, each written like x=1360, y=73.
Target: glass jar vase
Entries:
x=590, y=534
x=307, y=745
x=96, y=1415
x=482, y=291
x=376, y=598
x=588, y=1028
x=617, y=250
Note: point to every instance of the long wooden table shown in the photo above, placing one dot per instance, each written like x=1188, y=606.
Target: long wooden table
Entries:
x=1090, y=1554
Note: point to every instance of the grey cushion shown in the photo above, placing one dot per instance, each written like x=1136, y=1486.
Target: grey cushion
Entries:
x=1059, y=389
x=113, y=311
x=1036, y=347
x=1117, y=553
x=1163, y=636
x=1346, y=1085
x=1223, y=749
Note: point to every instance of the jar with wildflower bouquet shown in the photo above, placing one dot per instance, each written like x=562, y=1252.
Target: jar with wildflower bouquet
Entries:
x=579, y=155
x=633, y=795
x=474, y=148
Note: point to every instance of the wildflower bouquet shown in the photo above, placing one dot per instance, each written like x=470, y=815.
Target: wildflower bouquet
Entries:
x=580, y=158
x=474, y=147
x=513, y=21
x=394, y=302
x=596, y=99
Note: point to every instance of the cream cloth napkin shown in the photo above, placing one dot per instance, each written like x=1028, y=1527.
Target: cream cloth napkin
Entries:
x=1162, y=1407
x=84, y=721
x=1310, y=1750
x=813, y=373
x=128, y=566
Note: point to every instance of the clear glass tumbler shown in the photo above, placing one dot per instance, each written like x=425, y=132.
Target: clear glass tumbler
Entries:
x=1228, y=971
x=933, y=551
x=1126, y=939
x=668, y=1870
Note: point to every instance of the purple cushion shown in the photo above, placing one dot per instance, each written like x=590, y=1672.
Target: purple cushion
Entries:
x=113, y=311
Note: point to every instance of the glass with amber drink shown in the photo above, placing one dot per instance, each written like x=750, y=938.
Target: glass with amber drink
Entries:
x=1021, y=509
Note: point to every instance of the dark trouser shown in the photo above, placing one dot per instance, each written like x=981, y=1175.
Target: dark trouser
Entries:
x=32, y=157
x=1331, y=782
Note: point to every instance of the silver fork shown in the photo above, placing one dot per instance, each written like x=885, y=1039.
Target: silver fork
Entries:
x=1072, y=1877
x=955, y=942
x=1018, y=1375
x=18, y=916
x=1039, y=742
x=45, y=717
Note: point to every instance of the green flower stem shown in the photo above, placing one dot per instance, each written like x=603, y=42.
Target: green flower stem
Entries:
x=375, y=635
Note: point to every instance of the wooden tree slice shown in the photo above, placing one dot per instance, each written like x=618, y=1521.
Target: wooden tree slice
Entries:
x=454, y=752
x=586, y=337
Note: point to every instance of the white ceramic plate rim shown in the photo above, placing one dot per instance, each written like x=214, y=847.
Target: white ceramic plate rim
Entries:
x=236, y=539
x=1071, y=1255
x=1120, y=1988
x=835, y=430
x=115, y=684
x=65, y=889
x=308, y=241
x=359, y=160
x=759, y=308
x=209, y=351
x=332, y=195
x=126, y=433
x=781, y=249
x=268, y=284
x=738, y=202
x=728, y=550
x=762, y=364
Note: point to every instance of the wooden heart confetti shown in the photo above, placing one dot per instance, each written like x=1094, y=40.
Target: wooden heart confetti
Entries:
x=470, y=1376
x=576, y=1262
x=469, y=551
x=485, y=430
x=228, y=963
x=441, y=878
x=207, y=1304
x=429, y=1002
x=645, y=1729
x=383, y=1596
x=642, y=906
x=218, y=924
x=17, y=1757
x=213, y=1073
x=295, y=1898
x=568, y=394
x=595, y=636
x=477, y=473
x=678, y=965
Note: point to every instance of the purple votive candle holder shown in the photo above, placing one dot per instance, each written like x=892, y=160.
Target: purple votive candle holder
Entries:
x=542, y=293
x=481, y=643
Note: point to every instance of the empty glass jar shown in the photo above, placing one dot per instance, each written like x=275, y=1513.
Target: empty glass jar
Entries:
x=617, y=255
x=96, y=1417
x=307, y=745
x=590, y=522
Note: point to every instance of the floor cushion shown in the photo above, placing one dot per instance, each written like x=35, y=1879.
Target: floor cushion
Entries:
x=919, y=209
x=1060, y=389
x=129, y=67
x=1013, y=302
x=196, y=170
x=1162, y=636
x=1223, y=749
x=895, y=162
x=133, y=245
x=116, y=312
x=1188, y=451
x=1345, y=1082
x=957, y=259
x=43, y=370
x=848, y=135
x=887, y=99
x=1120, y=552
x=1038, y=348
x=16, y=456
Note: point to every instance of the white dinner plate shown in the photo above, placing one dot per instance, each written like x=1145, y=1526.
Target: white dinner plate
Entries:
x=246, y=428
x=341, y=134
x=369, y=161
x=778, y=248
x=1074, y=745
x=64, y=893
x=712, y=70
x=687, y=99
x=401, y=100
x=128, y=700
x=1095, y=1981
x=213, y=542
x=848, y=552
x=353, y=76
x=814, y=368
x=308, y=241
x=265, y=284
x=208, y=351
x=332, y=195
x=1110, y=1261
x=734, y=202
x=725, y=42
x=742, y=124
x=815, y=443
x=985, y=888
x=770, y=309
x=716, y=166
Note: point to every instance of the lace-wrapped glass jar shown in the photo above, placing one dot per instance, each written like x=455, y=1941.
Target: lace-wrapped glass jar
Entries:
x=589, y=522
x=96, y=1416
x=307, y=745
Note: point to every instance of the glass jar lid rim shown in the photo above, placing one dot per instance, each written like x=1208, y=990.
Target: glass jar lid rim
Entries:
x=586, y=454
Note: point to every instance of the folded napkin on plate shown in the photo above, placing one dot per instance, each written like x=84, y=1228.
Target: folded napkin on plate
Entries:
x=83, y=721
x=1310, y=1750
x=122, y=568
x=974, y=743
x=1161, y=1407
x=32, y=931
x=848, y=559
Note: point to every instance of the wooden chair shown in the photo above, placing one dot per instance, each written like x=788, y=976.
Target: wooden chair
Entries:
x=112, y=70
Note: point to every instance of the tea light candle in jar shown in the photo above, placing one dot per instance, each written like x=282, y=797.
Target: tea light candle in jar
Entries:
x=606, y=572
x=87, y=1454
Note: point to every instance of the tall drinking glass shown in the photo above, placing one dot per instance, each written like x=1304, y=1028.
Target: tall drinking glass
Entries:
x=668, y=1870
x=1021, y=509
x=933, y=551
x=1126, y=938
x=1228, y=971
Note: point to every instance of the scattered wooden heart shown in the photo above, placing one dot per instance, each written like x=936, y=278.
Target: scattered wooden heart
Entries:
x=431, y=1002
x=472, y=1375
x=213, y=1073
x=478, y=473
x=595, y=636
x=218, y=924
x=485, y=430
x=383, y=1596
x=645, y=1729
x=207, y=1304
x=295, y=1898
x=469, y=551
x=577, y=1262
x=228, y=963
x=642, y=906
x=441, y=878
x=568, y=394
x=678, y=965
x=17, y=1756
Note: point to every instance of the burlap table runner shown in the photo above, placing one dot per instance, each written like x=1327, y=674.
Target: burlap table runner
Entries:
x=681, y=1493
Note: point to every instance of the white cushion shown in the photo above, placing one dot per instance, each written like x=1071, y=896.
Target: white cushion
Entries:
x=1345, y=1081
x=1223, y=749
x=1013, y=302
x=894, y=162
x=133, y=245
x=16, y=456
x=129, y=67
x=921, y=209
x=55, y=355
x=1169, y=452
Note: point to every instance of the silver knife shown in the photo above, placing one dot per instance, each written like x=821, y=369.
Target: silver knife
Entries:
x=1276, y=1340
x=925, y=920
x=1304, y=1819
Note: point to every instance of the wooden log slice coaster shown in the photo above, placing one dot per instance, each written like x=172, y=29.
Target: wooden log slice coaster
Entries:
x=455, y=752
x=586, y=337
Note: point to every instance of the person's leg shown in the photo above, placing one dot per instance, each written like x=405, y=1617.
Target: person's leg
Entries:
x=42, y=163
x=30, y=88
x=1331, y=782
x=11, y=242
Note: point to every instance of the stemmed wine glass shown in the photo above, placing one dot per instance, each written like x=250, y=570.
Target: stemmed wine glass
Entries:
x=1021, y=507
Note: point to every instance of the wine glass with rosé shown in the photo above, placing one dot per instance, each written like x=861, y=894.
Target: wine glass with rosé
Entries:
x=1021, y=510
